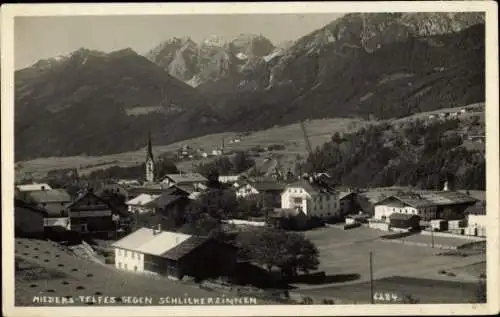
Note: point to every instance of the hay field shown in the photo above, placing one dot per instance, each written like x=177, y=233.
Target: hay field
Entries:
x=319, y=131
x=347, y=252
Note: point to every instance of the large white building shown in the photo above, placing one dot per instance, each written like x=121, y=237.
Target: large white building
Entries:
x=312, y=199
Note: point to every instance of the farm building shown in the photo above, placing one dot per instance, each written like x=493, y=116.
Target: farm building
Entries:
x=28, y=220
x=194, y=180
x=140, y=203
x=54, y=202
x=404, y=221
x=450, y=205
x=271, y=189
x=91, y=214
x=21, y=190
x=447, y=205
x=348, y=203
x=313, y=199
x=174, y=254
x=405, y=203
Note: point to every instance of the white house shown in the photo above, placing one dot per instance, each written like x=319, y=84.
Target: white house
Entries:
x=140, y=203
x=478, y=223
x=229, y=179
x=312, y=199
x=131, y=250
x=408, y=204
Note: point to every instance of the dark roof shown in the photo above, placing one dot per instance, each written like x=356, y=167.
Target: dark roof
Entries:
x=163, y=201
x=399, y=216
x=20, y=206
x=268, y=186
x=446, y=198
x=136, y=191
x=104, y=201
x=49, y=196
x=186, y=188
x=184, y=248
x=476, y=209
x=411, y=199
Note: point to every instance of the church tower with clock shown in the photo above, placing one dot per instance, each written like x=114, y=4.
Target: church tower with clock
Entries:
x=150, y=164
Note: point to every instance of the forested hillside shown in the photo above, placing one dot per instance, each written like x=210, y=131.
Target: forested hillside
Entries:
x=416, y=153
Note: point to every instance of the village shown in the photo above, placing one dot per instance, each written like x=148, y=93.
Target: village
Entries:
x=180, y=228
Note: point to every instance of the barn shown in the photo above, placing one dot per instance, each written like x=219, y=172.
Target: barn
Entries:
x=174, y=255
x=28, y=220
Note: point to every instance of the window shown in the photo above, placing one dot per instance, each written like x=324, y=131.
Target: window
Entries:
x=126, y=253
x=125, y=265
x=119, y=265
x=132, y=254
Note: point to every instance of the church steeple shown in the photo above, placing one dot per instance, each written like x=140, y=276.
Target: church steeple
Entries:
x=149, y=160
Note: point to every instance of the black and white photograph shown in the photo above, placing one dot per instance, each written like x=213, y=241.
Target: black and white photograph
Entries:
x=250, y=159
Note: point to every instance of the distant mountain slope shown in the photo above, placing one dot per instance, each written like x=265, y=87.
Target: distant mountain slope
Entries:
x=397, y=79
x=96, y=103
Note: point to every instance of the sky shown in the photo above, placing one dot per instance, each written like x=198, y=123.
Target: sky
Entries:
x=43, y=37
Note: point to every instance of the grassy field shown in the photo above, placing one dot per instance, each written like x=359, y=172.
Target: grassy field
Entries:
x=319, y=131
x=424, y=290
x=46, y=270
x=397, y=268
x=347, y=252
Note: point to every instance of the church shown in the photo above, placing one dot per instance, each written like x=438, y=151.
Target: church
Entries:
x=150, y=163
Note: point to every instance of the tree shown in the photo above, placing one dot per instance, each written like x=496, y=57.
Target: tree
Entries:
x=289, y=252
x=241, y=162
x=164, y=166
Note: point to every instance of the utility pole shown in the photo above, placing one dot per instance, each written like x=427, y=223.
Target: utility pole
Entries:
x=432, y=238
x=371, y=278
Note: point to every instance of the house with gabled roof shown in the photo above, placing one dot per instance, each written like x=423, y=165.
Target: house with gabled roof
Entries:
x=194, y=180
x=140, y=203
x=313, y=199
x=407, y=204
x=426, y=204
x=173, y=254
x=270, y=189
x=53, y=202
x=90, y=213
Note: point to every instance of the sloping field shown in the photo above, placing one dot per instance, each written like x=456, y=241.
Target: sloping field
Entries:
x=49, y=270
x=319, y=131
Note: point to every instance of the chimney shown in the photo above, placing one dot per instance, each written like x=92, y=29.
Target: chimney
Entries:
x=157, y=230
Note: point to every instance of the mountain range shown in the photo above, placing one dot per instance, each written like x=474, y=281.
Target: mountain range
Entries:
x=373, y=65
